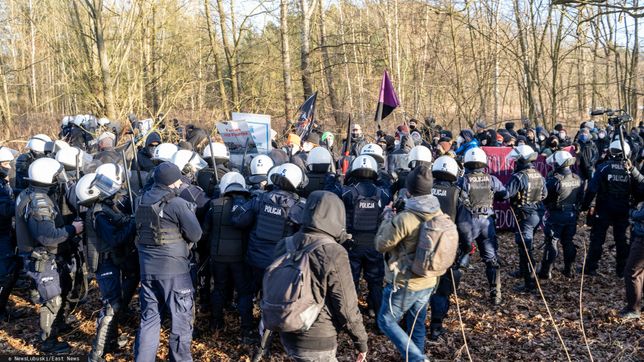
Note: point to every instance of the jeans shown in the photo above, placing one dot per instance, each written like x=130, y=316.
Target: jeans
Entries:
x=413, y=306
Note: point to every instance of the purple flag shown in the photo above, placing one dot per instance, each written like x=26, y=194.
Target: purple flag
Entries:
x=388, y=100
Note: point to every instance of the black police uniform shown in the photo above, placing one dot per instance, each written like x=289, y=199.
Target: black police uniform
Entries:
x=272, y=216
x=111, y=254
x=166, y=226
x=317, y=177
x=475, y=222
x=22, y=170
x=364, y=202
x=526, y=189
x=40, y=230
x=10, y=263
x=565, y=194
x=228, y=246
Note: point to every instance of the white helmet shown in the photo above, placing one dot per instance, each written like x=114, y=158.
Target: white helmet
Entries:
x=364, y=166
x=560, y=159
x=319, y=156
x=374, y=151
x=522, y=152
x=68, y=157
x=232, y=181
x=270, y=173
x=446, y=167
x=188, y=161
x=218, y=149
x=260, y=165
x=615, y=148
x=45, y=171
x=164, y=152
x=419, y=153
x=111, y=170
x=38, y=142
x=65, y=121
x=79, y=120
x=288, y=176
x=103, y=121
x=5, y=154
x=85, y=189
x=475, y=158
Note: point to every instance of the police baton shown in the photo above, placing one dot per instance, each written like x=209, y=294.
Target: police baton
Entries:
x=127, y=180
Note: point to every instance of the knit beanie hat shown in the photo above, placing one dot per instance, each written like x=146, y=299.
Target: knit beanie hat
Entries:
x=419, y=181
x=167, y=173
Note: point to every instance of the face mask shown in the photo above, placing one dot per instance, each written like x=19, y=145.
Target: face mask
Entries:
x=562, y=135
x=459, y=141
x=542, y=138
x=356, y=134
x=412, y=126
x=601, y=135
x=583, y=137
x=397, y=143
x=4, y=172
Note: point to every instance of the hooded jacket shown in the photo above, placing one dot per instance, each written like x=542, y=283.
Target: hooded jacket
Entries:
x=324, y=217
x=397, y=238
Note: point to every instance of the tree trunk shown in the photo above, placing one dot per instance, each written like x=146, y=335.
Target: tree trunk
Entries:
x=215, y=53
x=96, y=11
x=286, y=61
x=328, y=72
x=231, y=56
x=307, y=10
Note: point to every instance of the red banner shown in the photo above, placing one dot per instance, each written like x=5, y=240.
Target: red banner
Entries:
x=502, y=168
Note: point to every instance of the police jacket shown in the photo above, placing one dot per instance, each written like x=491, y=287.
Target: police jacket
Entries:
x=332, y=281
x=271, y=216
x=612, y=185
x=39, y=222
x=227, y=243
x=7, y=211
x=78, y=137
x=166, y=225
x=527, y=188
x=194, y=194
x=317, y=181
x=565, y=191
x=110, y=233
x=22, y=171
x=364, y=202
x=478, y=191
x=637, y=219
x=447, y=194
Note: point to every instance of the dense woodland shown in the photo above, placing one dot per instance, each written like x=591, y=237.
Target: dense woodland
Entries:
x=458, y=61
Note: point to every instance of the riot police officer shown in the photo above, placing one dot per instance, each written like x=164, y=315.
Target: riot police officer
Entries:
x=475, y=218
x=610, y=188
x=36, y=147
x=526, y=189
x=167, y=229
x=227, y=250
x=271, y=216
x=445, y=172
x=565, y=194
x=319, y=169
x=386, y=178
x=39, y=231
x=10, y=264
x=217, y=156
x=364, y=202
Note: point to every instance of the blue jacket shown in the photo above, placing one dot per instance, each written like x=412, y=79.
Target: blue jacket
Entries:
x=519, y=183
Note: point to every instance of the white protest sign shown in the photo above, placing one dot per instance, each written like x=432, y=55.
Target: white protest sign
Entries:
x=259, y=126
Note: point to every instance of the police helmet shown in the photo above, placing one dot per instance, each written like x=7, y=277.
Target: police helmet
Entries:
x=270, y=173
x=218, y=149
x=232, y=182
x=70, y=157
x=79, y=120
x=44, y=171
x=445, y=168
x=107, y=185
x=5, y=154
x=560, y=159
x=164, y=152
x=374, y=151
x=522, y=153
x=103, y=121
x=188, y=161
x=112, y=171
x=260, y=165
x=65, y=121
x=37, y=143
x=86, y=191
x=289, y=177
x=475, y=158
x=615, y=148
x=364, y=166
x=418, y=154
x=319, y=156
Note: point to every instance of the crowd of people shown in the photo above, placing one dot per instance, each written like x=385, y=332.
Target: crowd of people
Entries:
x=296, y=231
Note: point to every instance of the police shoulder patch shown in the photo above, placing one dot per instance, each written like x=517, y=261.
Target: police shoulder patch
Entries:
x=41, y=208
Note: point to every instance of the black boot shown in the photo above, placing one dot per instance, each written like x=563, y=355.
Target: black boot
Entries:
x=494, y=281
x=569, y=271
x=53, y=345
x=436, y=330
x=545, y=271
